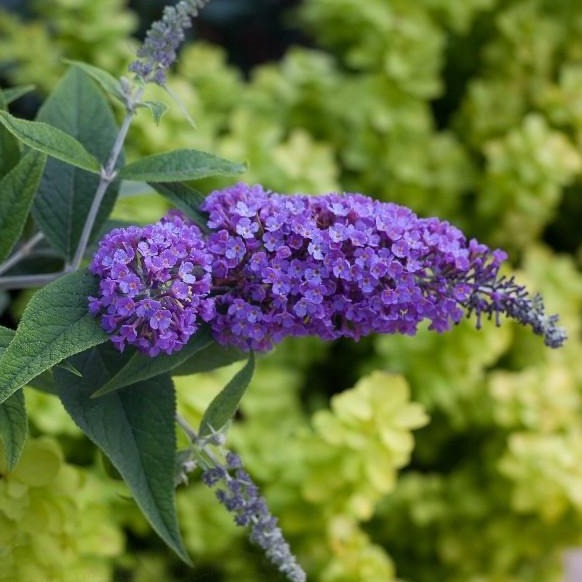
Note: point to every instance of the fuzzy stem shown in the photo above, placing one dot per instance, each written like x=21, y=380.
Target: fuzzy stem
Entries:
x=108, y=175
x=21, y=253
x=28, y=281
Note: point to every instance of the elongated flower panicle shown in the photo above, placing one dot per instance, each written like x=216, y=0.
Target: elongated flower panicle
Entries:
x=154, y=285
x=158, y=52
x=273, y=266
x=348, y=266
x=240, y=495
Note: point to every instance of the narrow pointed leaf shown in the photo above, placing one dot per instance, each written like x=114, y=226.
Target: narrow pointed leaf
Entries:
x=9, y=145
x=141, y=367
x=184, y=197
x=13, y=421
x=44, y=382
x=105, y=79
x=51, y=141
x=178, y=166
x=9, y=151
x=13, y=427
x=135, y=429
x=55, y=325
x=157, y=109
x=17, y=190
x=13, y=93
x=181, y=106
x=79, y=108
x=223, y=407
x=210, y=358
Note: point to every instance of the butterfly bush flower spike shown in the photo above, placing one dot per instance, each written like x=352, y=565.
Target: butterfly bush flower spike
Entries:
x=345, y=265
x=154, y=285
x=240, y=495
x=158, y=51
x=273, y=266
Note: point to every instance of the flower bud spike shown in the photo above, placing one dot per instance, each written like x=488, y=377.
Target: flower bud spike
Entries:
x=240, y=495
x=159, y=50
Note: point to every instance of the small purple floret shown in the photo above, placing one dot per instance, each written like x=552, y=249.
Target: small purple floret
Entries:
x=146, y=292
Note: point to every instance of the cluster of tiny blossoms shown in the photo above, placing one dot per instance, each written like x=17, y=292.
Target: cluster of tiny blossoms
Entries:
x=240, y=495
x=158, y=52
x=348, y=266
x=154, y=285
x=273, y=266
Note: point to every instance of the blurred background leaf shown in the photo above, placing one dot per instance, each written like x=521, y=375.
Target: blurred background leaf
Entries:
x=471, y=111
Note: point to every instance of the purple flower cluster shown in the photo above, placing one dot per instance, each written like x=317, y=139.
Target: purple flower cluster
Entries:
x=273, y=266
x=241, y=497
x=346, y=266
x=158, y=52
x=154, y=285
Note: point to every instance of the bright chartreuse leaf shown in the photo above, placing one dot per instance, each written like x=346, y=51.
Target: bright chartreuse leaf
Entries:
x=79, y=108
x=135, y=428
x=178, y=166
x=51, y=141
x=17, y=190
x=224, y=406
x=141, y=367
x=13, y=421
x=55, y=325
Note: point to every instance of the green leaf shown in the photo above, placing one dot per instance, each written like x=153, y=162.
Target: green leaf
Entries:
x=13, y=421
x=212, y=357
x=178, y=166
x=17, y=190
x=105, y=79
x=51, y=141
x=109, y=467
x=9, y=152
x=183, y=109
x=184, y=197
x=55, y=325
x=223, y=407
x=9, y=145
x=44, y=382
x=13, y=427
x=157, y=109
x=6, y=336
x=135, y=428
x=13, y=93
x=141, y=367
x=79, y=108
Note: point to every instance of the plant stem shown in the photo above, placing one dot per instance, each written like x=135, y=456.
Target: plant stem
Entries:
x=28, y=281
x=108, y=175
x=190, y=432
x=205, y=457
x=21, y=253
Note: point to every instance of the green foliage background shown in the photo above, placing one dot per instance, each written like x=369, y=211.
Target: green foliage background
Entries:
x=471, y=111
